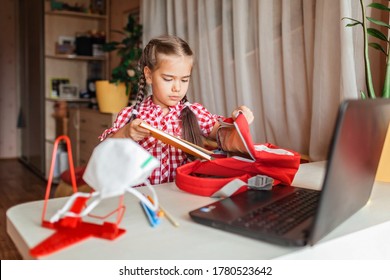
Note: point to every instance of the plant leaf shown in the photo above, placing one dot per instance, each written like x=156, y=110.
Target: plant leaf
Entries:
x=378, y=22
x=355, y=22
x=379, y=6
x=377, y=34
x=377, y=47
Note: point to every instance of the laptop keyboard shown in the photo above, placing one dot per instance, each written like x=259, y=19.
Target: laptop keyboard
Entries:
x=282, y=215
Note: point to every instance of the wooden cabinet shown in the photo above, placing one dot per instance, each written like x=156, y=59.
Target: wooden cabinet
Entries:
x=85, y=126
x=62, y=26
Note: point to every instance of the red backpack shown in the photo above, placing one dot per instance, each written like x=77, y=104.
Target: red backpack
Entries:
x=208, y=178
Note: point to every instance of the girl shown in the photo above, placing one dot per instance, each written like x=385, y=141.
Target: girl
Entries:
x=166, y=65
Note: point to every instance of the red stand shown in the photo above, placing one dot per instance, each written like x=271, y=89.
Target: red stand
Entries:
x=71, y=230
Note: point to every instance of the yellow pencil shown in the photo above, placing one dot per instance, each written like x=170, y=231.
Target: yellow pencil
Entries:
x=163, y=212
x=169, y=217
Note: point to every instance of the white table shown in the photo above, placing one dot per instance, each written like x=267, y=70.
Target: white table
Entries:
x=365, y=235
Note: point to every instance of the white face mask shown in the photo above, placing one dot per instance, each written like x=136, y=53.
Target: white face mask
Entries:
x=117, y=164
x=115, y=167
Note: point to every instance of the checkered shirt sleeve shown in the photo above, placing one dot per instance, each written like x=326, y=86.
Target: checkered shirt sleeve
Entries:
x=121, y=120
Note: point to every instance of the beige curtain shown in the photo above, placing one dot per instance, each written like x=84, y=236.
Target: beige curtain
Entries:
x=291, y=61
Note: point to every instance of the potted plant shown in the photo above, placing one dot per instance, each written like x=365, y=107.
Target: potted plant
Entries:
x=124, y=76
x=383, y=173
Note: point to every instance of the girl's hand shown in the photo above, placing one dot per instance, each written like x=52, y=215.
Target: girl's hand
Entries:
x=135, y=132
x=246, y=111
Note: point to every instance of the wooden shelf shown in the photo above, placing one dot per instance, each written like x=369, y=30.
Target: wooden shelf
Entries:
x=76, y=14
x=76, y=57
x=69, y=99
x=78, y=69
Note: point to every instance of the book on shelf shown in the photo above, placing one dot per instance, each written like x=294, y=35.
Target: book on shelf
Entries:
x=177, y=142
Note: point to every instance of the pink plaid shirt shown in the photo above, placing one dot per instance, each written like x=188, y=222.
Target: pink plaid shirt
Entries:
x=170, y=157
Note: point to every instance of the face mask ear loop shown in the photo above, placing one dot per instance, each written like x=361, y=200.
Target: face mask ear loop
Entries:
x=64, y=211
x=144, y=199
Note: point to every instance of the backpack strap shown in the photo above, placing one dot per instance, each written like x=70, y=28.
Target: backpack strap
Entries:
x=206, y=178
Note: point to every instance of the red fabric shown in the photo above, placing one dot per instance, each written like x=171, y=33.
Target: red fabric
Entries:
x=201, y=177
x=79, y=172
x=206, y=177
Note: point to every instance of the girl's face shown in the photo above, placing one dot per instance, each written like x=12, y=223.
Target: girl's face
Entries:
x=169, y=79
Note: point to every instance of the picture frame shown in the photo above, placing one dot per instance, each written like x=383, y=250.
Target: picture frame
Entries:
x=55, y=86
x=65, y=45
x=66, y=40
x=69, y=91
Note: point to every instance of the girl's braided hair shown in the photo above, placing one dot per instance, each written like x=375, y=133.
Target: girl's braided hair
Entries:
x=167, y=45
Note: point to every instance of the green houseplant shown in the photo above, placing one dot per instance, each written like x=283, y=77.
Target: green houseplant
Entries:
x=129, y=50
x=114, y=94
x=376, y=33
x=383, y=173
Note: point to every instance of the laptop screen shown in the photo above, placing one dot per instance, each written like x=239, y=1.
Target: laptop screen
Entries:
x=354, y=154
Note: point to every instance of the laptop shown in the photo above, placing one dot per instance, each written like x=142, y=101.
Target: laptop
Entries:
x=293, y=216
